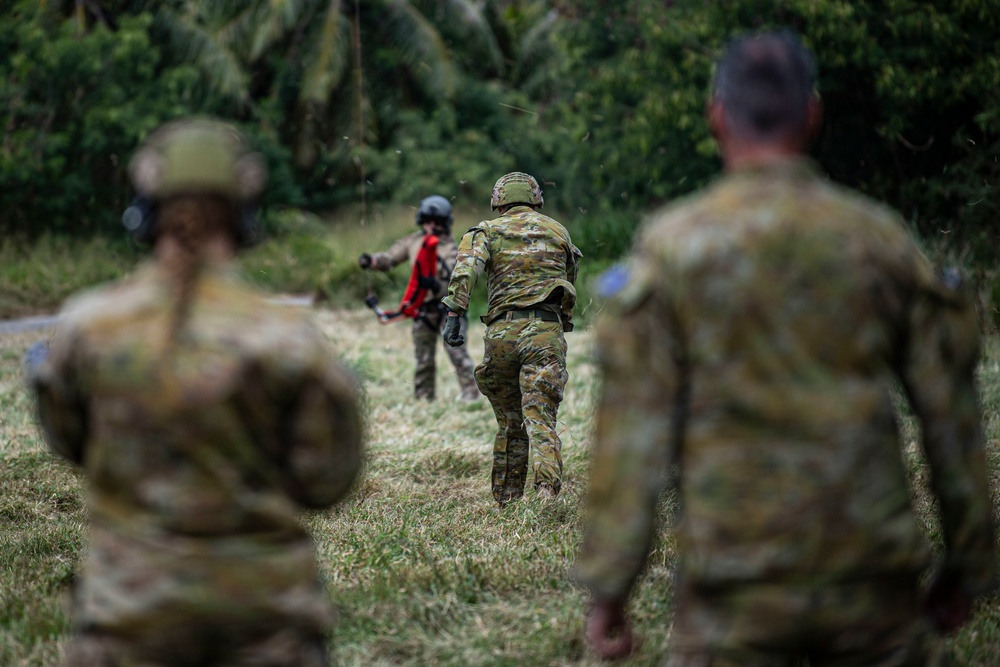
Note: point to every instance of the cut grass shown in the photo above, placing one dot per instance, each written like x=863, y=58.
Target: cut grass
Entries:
x=421, y=565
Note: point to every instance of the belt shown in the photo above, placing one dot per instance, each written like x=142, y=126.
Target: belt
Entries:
x=532, y=314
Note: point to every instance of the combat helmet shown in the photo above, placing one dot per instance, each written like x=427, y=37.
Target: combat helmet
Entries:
x=188, y=156
x=435, y=209
x=516, y=188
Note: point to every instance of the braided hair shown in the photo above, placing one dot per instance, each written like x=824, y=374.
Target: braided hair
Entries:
x=190, y=220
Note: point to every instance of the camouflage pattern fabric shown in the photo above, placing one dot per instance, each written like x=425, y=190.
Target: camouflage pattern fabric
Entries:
x=426, y=338
x=426, y=330
x=200, y=454
x=527, y=257
x=750, y=346
x=835, y=621
x=406, y=249
x=523, y=374
x=257, y=643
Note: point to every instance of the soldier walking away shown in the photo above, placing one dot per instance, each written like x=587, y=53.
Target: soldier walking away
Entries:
x=434, y=217
x=748, y=352
x=531, y=266
x=205, y=417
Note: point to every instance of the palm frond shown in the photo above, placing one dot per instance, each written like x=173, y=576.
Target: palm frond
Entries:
x=221, y=66
x=421, y=46
x=535, y=41
x=470, y=14
x=327, y=57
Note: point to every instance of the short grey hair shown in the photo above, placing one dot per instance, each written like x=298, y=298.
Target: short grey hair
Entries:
x=764, y=82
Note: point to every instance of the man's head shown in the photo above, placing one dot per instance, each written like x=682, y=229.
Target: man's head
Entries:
x=763, y=93
x=516, y=188
x=435, y=212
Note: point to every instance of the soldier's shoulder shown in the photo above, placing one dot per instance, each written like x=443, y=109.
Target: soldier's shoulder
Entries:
x=413, y=238
x=113, y=301
x=677, y=218
x=481, y=226
x=869, y=208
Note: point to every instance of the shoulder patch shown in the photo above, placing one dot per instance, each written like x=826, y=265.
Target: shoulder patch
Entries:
x=613, y=281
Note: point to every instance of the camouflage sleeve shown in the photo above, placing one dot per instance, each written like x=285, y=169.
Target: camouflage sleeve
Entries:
x=937, y=371
x=473, y=255
x=573, y=264
x=323, y=454
x=397, y=253
x=60, y=400
x=635, y=439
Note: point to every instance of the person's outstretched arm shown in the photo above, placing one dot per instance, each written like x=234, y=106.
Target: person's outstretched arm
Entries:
x=937, y=369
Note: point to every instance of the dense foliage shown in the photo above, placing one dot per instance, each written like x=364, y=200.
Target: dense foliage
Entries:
x=387, y=100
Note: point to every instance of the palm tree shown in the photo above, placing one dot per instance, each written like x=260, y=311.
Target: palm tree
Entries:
x=323, y=43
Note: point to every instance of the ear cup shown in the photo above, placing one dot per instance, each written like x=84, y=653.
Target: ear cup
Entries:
x=139, y=220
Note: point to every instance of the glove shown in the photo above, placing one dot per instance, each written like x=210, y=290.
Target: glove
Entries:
x=453, y=331
x=428, y=283
x=365, y=261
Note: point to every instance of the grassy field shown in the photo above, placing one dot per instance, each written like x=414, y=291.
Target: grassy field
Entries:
x=424, y=569
x=307, y=255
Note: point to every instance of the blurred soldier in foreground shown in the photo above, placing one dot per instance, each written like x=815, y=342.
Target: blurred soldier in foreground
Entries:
x=205, y=417
x=434, y=217
x=531, y=265
x=749, y=348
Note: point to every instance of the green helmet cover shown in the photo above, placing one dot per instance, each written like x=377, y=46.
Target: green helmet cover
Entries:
x=516, y=188
x=197, y=155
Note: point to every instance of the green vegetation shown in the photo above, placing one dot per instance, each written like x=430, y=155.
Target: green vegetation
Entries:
x=601, y=99
x=422, y=567
x=390, y=100
x=300, y=254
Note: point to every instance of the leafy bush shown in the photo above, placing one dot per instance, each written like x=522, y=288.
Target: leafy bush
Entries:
x=77, y=106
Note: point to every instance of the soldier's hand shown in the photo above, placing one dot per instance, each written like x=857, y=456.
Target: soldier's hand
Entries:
x=453, y=331
x=365, y=261
x=608, y=631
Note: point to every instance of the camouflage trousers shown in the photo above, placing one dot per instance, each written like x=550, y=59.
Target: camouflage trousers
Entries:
x=868, y=623
x=426, y=338
x=523, y=374
x=211, y=646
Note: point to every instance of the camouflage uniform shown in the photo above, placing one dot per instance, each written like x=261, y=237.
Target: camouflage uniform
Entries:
x=200, y=458
x=531, y=265
x=426, y=328
x=750, y=346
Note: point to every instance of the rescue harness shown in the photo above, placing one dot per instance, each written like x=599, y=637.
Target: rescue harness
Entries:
x=423, y=280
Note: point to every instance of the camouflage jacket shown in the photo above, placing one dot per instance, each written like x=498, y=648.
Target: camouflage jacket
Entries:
x=406, y=249
x=201, y=456
x=527, y=257
x=751, y=346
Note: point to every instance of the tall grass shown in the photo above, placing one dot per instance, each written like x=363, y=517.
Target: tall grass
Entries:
x=37, y=275
x=423, y=568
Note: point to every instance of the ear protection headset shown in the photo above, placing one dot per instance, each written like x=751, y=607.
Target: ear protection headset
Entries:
x=139, y=220
x=194, y=155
